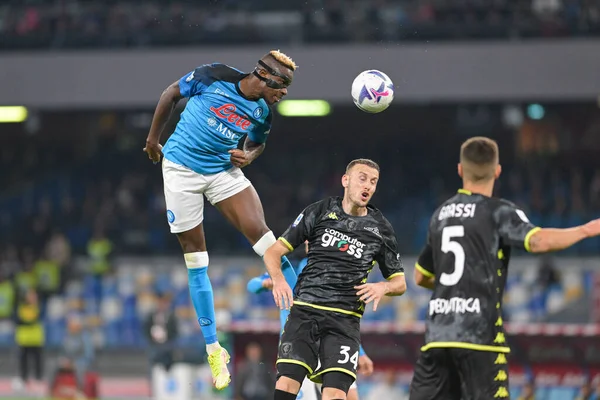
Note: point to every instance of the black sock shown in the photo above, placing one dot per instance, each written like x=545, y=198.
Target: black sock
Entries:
x=281, y=395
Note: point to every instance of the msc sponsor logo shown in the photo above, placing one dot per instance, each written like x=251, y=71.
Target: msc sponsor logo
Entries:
x=455, y=305
x=343, y=242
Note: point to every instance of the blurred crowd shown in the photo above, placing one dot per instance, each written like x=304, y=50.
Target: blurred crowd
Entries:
x=144, y=305
x=134, y=23
x=106, y=187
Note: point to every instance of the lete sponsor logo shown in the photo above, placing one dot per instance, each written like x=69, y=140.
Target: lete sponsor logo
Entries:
x=228, y=112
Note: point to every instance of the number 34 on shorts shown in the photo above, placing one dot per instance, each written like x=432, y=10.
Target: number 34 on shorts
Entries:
x=345, y=361
x=345, y=353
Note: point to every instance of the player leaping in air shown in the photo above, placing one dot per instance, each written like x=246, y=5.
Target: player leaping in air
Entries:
x=465, y=263
x=201, y=158
x=310, y=389
x=346, y=237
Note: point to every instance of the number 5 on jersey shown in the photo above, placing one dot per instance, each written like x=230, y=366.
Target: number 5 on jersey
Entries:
x=452, y=246
x=346, y=356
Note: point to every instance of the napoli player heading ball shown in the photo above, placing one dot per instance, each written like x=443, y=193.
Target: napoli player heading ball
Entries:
x=201, y=158
x=465, y=263
x=346, y=236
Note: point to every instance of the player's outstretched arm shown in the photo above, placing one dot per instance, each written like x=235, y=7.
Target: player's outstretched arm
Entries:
x=282, y=293
x=166, y=104
x=553, y=239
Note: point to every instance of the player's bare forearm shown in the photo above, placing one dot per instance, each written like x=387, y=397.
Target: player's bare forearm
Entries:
x=272, y=259
x=282, y=293
x=428, y=282
x=253, y=149
x=166, y=104
x=551, y=239
x=396, y=286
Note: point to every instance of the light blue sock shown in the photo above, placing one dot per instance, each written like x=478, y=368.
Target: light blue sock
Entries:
x=361, y=351
x=201, y=293
x=283, y=316
x=288, y=272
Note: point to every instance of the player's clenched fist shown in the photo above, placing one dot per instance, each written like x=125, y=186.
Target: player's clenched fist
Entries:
x=282, y=293
x=239, y=158
x=154, y=151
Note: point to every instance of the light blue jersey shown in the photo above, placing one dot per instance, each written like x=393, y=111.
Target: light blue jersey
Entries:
x=214, y=120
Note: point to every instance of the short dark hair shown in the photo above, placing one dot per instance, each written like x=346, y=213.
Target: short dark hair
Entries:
x=479, y=156
x=363, y=161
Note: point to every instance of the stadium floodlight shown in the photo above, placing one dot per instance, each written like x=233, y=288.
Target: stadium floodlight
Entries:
x=304, y=108
x=12, y=114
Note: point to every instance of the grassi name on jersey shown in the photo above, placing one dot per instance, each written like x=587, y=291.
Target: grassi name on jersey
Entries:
x=457, y=210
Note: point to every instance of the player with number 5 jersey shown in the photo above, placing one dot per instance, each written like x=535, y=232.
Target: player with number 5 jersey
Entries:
x=465, y=263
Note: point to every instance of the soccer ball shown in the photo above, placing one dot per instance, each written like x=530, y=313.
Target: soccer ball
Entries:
x=372, y=91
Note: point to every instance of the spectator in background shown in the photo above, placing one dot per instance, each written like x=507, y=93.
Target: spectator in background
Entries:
x=387, y=389
x=78, y=349
x=596, y=395
x=547, y=275
x=594, y=195
x=161, y=330
x=25, y=277
x=254, y=380
x=7, y=293
x=528, y=392
x=586, y=392
x=10, y=262
x=58, y=249
x=100, y=252
x=29, y=337
x=48, y=278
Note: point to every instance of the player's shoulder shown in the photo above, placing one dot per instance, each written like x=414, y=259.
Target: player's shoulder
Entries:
x=209, y=73
x=319, y=208
x=378, y=216
x=327, y=204
x=499, y=202
x=267, y=111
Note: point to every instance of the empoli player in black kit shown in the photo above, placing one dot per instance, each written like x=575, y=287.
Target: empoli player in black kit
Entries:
x=321, y=337
x=465, y=263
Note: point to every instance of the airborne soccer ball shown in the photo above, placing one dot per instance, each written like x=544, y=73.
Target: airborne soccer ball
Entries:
x=372, y=91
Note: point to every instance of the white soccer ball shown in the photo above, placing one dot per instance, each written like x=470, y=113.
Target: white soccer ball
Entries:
x=372, y=91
